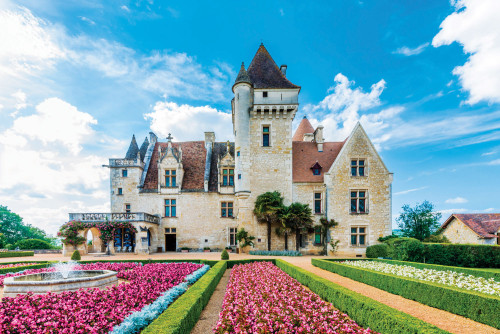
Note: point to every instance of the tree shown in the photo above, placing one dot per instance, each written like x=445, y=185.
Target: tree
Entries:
x=325, y=227
x=3, y=241
x=267, y=207
x=14, y=229
x=297, y=217
x=244, y=239
x=419, y=222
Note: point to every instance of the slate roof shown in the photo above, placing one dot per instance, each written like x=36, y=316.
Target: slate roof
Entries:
x=242, y=75
x=305, y=155
x=133, y=149
x=218, y=152
x=144, y=148
x=304, y=127
x=264, y=73
x=483, y=224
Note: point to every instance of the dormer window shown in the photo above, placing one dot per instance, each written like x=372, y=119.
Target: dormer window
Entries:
x=264, y=94
x=228, y=177
x=170, y=178
x=316, y=169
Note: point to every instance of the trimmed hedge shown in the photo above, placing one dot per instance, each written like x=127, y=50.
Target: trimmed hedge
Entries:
x=462, y=255
x=183, y=314
x=365, y=311
x=232, y=263
x=476, y=306
x=16, y=254
x=21, y=268
x=380, y=250
x=33, y=244
x=276, y=253
x=211, y=263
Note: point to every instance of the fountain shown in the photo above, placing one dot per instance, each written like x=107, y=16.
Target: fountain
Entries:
x=63, y=279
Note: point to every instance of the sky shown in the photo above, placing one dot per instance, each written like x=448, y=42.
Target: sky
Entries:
x=78, y=78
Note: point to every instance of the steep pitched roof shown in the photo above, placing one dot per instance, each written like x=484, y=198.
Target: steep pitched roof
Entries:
x=133, y=149
x=483, y=224
x=304, y=127
x=242, y=75
x=264, y=73
x=305, y=154
x=144, y=148
x=219, y=151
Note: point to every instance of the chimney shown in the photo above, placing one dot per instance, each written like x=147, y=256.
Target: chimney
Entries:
x=308, y=137
x=283, y=69
x=318, y=137
x=209, y=138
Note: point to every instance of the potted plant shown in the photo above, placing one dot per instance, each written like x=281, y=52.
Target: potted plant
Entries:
x=229, y=249
x=185, y=249
x=206, y=249
x=244, y=240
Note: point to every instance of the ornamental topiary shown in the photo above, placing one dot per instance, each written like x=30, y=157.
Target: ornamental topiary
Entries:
x=224, y=255
x=76, y=255
x=376, y=251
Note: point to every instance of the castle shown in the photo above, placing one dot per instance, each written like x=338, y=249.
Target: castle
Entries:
x=197, y=194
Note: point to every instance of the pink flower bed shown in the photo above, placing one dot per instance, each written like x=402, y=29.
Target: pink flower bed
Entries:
x=13, y=265
x=261, y=298
x=92, y=310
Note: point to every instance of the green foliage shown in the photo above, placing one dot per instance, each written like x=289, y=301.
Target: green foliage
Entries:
x=184, y=313
x=69, y=231
x=437, y=239
x=4, y=271
x=16, y=254
x=472, y=305
x=244, y=239
x=10, y=246
x=419, y=222
x=387, y=237
x=14, y=229
x=296, y=217
x=76, y=255
x=463, y=255
x=3, y=241
x=276, y=253
x=266, y=210
x=365, y=311
x=326, y=225
x=409, y=250
x=381, y=250
x=224, y=255
x=33, y=244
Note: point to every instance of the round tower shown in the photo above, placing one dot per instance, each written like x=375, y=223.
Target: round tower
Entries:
x=243, y=100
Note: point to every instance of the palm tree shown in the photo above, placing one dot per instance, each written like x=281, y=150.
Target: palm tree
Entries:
x=297, y=217
x=267, y=207
x=325, y=227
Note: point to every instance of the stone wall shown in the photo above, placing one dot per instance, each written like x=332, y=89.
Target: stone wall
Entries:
x=459, y=233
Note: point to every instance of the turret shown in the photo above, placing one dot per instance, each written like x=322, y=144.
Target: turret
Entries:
x=243, y=101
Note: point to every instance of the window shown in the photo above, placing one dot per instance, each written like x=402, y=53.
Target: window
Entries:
x=239, y=176
x=238, y=153
x=169, y=230
x=120, y=191
x=232, y=236
x=127, y=208
x=316, y=171
x=124, y=173
x=264, y=94
x=228, y=177
x=170, y=178
x=265, y=136
x=358, y=201
x=317, y=235
x=226, y=209
x=317, y=203
x=170, y=208
x=358, y=236
x=357, y=167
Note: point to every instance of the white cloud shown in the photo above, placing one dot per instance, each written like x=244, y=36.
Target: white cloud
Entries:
x=456, y=200
x=494, y=162
x=476, y=27
x=125, y=8
x=187, y=122
x=404, y=192
x=86, y=19
x=406, y=51
x=448, y=212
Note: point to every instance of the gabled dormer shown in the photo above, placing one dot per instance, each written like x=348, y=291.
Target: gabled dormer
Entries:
x=170, y=168
x=225, y=167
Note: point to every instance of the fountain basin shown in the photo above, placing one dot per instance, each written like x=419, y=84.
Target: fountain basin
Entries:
x=55, y=282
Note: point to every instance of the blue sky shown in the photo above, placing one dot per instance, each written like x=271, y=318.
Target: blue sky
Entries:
x=78, y=78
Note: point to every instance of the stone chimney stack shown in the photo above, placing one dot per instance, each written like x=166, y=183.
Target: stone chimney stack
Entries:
x=318, y=137
x=209, y=138
x=308, y=137
x=283, y=69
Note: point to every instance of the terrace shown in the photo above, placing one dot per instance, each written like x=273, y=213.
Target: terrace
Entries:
x=120, y=216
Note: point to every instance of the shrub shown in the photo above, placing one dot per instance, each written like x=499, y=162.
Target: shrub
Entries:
x=375, y=251
x=33, y=244
x=463, y=255
x=224, y=255
x=472, y=305
x=409, y=250
x=387, y=237
x=437, y=238
x=76, y=255
x=16, y=254
x=276, y=253
x=10, y=246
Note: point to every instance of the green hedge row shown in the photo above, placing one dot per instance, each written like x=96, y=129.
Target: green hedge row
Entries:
x=472, y=256
x=365, y=311
x=232, y=263
x=183, y=314
x=21, y=268
x=472, y=305
x=211, y=263
x=16, y=254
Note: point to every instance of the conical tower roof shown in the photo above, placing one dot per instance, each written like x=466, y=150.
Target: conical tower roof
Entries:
x=133, y=149
x=242, y=75
x=264, y=73
x=304, y=127
x=144, y=148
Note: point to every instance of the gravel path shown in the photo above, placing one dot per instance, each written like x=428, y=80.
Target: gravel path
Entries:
x=439, y=318
x=210, y=314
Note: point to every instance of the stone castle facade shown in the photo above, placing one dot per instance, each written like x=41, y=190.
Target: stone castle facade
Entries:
x=197, y=194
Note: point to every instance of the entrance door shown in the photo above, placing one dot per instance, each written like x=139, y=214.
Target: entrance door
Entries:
x=170, y=242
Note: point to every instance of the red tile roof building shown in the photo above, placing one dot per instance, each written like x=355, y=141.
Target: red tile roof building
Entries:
x=478, y=228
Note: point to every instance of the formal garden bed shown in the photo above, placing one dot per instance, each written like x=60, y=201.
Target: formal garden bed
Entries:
x=122, y=308
x=473, y=297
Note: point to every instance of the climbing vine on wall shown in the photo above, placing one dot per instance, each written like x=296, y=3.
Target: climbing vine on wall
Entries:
x=69, y=231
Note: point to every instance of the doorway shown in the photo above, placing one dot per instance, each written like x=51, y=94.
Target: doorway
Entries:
x=170, y=242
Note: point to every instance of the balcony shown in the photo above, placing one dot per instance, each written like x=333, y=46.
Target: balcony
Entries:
x=120, y=216
x=126, y=163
